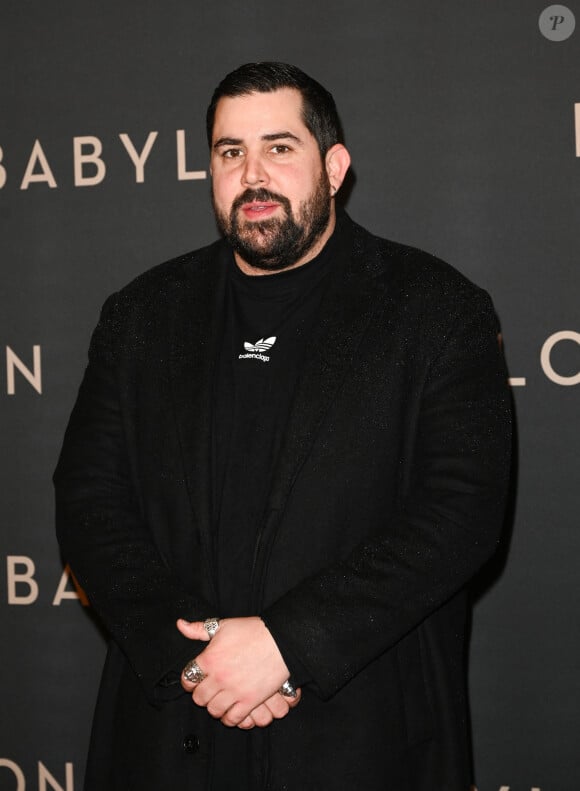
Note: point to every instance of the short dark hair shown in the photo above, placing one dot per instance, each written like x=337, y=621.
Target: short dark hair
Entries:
x=319, y=111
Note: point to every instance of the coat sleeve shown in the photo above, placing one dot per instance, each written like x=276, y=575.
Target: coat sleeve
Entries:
x=448, y=524
x=102, y=533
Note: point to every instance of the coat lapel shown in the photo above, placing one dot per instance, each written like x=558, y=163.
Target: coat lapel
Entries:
x=345, y=315
x=195, y=327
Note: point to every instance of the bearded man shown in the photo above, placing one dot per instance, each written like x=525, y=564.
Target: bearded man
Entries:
x=287, y=459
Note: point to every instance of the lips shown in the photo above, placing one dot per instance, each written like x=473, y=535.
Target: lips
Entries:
x=259, y=209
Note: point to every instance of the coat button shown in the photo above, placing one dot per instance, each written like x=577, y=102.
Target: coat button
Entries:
x=191, y=743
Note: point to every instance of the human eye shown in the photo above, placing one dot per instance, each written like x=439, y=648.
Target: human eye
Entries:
x=231, y=153
x=280, y=148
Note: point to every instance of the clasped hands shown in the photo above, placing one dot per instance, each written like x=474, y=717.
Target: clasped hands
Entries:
x=244, y=671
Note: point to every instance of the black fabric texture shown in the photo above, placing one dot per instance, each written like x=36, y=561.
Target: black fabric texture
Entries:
x=386, y=497
x=253, y=391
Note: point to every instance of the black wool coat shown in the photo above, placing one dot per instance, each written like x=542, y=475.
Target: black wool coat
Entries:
x=387, y=497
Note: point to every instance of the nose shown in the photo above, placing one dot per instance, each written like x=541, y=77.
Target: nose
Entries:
x=254, y=171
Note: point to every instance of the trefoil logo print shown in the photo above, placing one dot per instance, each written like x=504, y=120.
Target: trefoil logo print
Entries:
x=263, y=345
x=255, y=351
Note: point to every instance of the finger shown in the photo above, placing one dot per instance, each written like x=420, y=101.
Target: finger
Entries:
x=247, y=724
x=187, y=684
x=205, y=691
x=293, y=701
x=190, y=686
x=193, y=630
x=278, y=706
x=261, y=715
x=220, y=704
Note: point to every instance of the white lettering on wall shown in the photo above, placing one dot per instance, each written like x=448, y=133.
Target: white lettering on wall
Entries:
x=182, y=173
x=92, y=157
x=564, y=335
x=89, y=167
x=45, y=777
x=34, y=377
x=37, y=156
x=139, y=160
x=21, y=578
x=63, y=593
x=2, y=170
x=17, y=771
x=23, y=588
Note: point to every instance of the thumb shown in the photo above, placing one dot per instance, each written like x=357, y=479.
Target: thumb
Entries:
x=193, y=630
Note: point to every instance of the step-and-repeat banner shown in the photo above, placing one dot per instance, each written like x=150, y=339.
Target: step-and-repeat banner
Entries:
x=463, y=121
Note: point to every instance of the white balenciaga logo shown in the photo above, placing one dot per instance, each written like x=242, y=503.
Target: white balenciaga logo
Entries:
x=256, y=350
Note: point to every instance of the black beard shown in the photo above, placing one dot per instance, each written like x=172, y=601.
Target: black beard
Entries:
x=283, y=241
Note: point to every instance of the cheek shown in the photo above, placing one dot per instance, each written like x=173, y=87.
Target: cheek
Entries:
x=224, y=191
x=303, y=180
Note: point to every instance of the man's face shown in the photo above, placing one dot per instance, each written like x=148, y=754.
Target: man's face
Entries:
x=271, y=192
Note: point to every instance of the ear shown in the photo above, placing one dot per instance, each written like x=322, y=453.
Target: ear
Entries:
x=337, y=161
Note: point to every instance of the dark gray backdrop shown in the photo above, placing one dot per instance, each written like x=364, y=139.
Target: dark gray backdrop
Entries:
x=460, y=120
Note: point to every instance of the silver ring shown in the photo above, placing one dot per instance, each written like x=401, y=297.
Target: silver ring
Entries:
x=211, y=626
x=288, y=690
x=193, y=672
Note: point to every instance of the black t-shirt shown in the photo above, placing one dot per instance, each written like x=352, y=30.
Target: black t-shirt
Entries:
x=266, y=331
x=268, y=323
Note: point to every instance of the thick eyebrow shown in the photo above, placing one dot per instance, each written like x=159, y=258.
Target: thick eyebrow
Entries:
x=282, y=136
x=227, y=141
x=237, y=141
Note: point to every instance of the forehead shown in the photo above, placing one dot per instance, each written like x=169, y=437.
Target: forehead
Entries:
x=256, y=114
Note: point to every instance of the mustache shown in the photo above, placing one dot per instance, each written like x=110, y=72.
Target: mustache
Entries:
x=259, y=196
